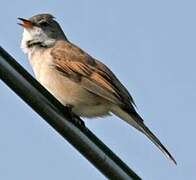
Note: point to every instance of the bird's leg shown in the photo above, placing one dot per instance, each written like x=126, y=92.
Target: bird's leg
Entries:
x=77, y=121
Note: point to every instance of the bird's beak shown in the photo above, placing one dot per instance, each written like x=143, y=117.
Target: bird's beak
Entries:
x=25, y=23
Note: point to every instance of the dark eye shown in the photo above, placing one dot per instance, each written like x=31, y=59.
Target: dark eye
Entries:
x=43, y=24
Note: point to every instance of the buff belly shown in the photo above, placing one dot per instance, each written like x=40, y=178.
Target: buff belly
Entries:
x=84, y=103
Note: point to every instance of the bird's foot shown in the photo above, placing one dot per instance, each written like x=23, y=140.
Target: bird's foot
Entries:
x=76, y=119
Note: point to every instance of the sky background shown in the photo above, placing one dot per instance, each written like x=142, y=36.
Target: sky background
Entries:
x=151, y=47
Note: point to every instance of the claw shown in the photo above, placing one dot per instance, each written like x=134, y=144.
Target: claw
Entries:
x=76, y=119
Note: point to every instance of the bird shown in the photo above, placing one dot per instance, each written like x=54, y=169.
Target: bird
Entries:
x=75, y=78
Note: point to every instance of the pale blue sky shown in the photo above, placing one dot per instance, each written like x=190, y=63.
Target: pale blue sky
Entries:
x=150, y=45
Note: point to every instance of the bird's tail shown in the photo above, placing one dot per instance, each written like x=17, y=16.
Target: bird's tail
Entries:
x=136, y=121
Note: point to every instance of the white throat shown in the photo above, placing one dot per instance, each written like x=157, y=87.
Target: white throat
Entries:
x=35, y=35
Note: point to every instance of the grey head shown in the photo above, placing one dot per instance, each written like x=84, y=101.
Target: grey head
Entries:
x=41, y=30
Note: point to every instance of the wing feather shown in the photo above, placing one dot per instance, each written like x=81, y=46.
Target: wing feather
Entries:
x=90, y=73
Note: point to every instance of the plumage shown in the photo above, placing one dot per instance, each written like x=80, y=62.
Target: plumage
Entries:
x=77, y=79
x=91, y=74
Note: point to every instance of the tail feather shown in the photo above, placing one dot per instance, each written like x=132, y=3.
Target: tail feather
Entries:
x=157, y=142
x=136, y=121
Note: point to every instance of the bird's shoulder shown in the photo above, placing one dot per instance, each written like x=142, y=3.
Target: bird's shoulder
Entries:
x=66, y=51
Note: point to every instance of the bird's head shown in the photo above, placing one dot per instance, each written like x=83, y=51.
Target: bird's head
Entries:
x=40, y=31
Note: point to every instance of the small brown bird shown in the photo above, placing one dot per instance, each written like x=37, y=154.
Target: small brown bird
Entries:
x=75, y=78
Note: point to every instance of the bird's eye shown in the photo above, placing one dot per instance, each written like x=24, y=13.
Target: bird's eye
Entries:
x=43, y=23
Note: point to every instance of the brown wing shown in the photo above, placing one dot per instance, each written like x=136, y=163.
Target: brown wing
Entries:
x=90, y=73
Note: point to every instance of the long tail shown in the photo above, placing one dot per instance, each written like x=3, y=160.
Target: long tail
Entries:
x=136, y=121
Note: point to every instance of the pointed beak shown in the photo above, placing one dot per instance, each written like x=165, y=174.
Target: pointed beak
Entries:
x=25, y=23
